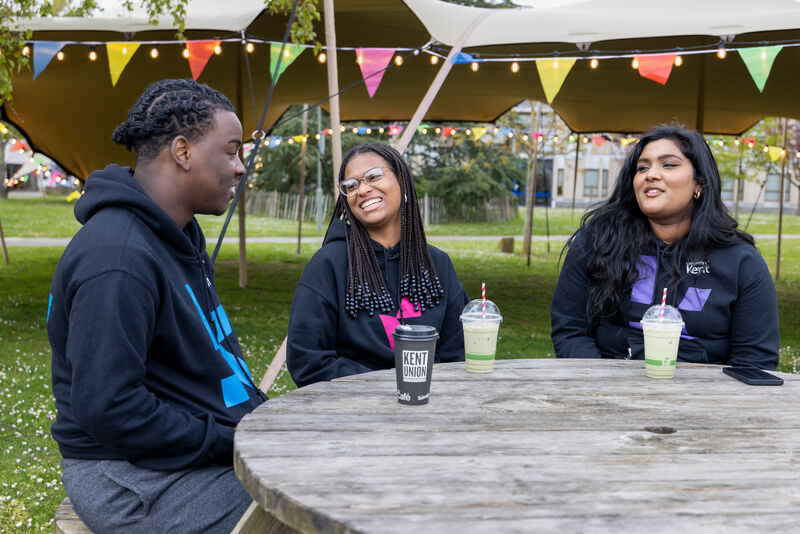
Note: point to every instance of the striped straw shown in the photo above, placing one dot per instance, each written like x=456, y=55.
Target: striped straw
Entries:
x=663, y=303
x=483, y=299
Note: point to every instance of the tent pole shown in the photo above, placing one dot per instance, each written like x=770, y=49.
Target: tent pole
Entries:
x=575, y=174
x=242, y=211
x=302, y=178
x=530, y=188
x=780, y=203
x=320, y=153
x=437, y=83
x=701, y=96
x=333, y=89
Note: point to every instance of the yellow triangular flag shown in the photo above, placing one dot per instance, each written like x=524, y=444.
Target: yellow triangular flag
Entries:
x=119, y=54
x=477, y=133
x=775, y=153
x=552, y=73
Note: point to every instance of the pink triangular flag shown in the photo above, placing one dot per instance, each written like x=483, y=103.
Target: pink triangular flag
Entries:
x=373, y=63
x=199, y=54
x=656, y=68
x=598, y=140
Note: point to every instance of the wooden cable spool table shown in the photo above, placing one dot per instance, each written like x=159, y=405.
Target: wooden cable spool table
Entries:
x=539, y=445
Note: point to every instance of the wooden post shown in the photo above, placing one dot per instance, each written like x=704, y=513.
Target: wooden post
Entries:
x=444, y=70
x=780, y=203
x=302, y=178
x=3, y=239
x=333, y=90
x=736, y=183
x=320, y=153
x=530, y=188
x=241, y=207
x=575, y=174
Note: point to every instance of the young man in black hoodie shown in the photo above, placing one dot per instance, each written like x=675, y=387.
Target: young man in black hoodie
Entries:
x=148, y=375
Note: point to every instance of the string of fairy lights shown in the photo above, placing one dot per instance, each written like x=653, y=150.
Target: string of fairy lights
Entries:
x=437, y=53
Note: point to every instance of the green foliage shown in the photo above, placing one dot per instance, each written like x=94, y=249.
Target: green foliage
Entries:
x=303, y=26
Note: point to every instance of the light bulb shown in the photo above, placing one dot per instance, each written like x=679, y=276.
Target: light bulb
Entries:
x=154, y=52
x=322, y=57
x=555, y=139
x=355, y=130
x=635, y=63
x=185, y=53
x=678, y=61
x=474, y=67
x=250, y=47
x=26, y=50
x=217, y=49
x=468, y=131
x=721, y=53
x=92, y=55
x=515, y=67
x=763, y=53
x=434, y=60
x=593, y=63
x=60, y=56
x=286, y=53
x=424, y=131
x=398, y=60
x=555, y=64
x=525, y=137
x=438, y=130
x=359, y=59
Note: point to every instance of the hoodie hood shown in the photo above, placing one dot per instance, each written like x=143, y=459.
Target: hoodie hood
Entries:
x=115, y=187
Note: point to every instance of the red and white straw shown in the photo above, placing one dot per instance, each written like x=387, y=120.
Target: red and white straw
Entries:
x=483, y=300
x=663, y=303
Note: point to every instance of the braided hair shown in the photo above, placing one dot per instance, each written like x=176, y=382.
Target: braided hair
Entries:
x=366, y=288
x=168, y=108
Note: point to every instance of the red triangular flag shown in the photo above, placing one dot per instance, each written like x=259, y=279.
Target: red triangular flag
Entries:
x=598, y=140
x=373, y=62
x=656, y=68
x=199, y=54
x=447, y=131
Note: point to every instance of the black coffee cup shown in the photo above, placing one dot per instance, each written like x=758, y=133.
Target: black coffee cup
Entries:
x=414, y=352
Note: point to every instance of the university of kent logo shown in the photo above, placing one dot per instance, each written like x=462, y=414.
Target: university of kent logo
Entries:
x=697, y=267
x=415, y=365
x=233, y=386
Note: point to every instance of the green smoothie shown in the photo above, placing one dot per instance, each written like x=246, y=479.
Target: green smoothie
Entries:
x=480, y=342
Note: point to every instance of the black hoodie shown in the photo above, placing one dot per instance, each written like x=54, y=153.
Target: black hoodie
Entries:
x=727, y=302
x=145, y=367
x=326, y=343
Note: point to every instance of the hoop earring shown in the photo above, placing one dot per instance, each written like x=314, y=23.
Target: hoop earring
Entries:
x=696, y=195
x=405, y=197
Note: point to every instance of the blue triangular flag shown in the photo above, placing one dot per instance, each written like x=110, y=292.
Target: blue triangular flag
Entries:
x=43, y=52
x=463, y=57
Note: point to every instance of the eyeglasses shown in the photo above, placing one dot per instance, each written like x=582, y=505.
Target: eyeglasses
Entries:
x=349, y=186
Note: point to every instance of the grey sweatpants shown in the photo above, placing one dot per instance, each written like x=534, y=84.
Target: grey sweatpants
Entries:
x=118, y=497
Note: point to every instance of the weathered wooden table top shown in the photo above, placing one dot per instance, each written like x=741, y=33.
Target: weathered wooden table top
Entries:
x=539, y=445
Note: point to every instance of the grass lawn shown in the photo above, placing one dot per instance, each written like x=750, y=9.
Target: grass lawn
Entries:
x=30, y=486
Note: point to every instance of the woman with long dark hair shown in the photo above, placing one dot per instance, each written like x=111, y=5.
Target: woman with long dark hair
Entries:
x=665, y=225
x=374, y=270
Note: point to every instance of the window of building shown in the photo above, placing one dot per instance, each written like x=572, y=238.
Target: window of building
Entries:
x=727, y=189
x=605, y=182
x=560, y=182
x=772, y=190
x=590, y=177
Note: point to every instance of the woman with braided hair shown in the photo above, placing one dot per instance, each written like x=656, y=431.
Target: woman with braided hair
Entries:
x=374, y=271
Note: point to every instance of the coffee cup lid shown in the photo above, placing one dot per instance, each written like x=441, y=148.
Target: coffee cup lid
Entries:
x=669, y=315
x=474, y=312
x=416, y=331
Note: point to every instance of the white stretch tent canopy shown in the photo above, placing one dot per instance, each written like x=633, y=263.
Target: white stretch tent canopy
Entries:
x=580, y=21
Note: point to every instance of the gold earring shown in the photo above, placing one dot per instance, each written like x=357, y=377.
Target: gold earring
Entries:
x=696, y=195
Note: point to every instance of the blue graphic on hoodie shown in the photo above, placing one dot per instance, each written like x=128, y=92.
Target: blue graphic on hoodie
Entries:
x=233, y=387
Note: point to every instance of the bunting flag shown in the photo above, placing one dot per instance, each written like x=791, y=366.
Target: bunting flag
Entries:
x=598, y=140
x=447, y=131
x=656, y=68
x=477, y=133
x=463, y=57
x=394, y=129
x=43, y=52
x=759, y=63
x=199, y=54
x=118, y=56
x=373, y=63
x=552, y=73
x=290, y=53
x=775, y=153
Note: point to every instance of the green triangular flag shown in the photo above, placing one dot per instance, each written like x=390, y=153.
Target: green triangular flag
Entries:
x=290, y=53
x=759, y=62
